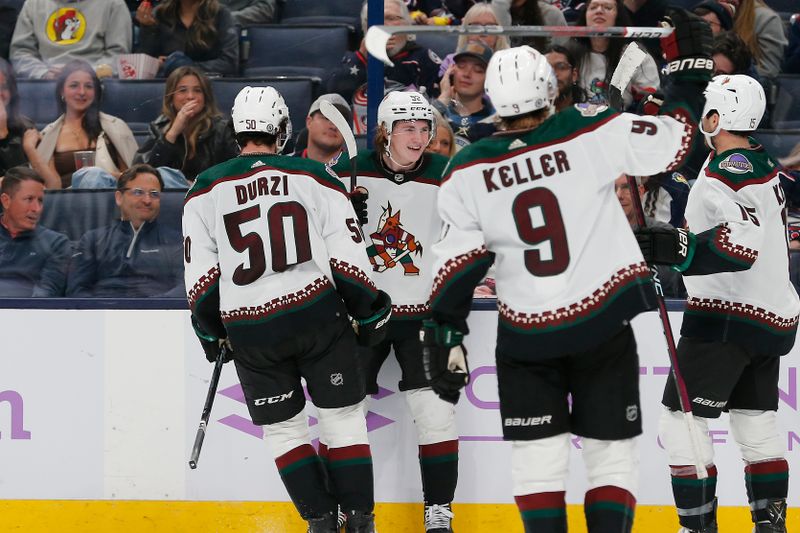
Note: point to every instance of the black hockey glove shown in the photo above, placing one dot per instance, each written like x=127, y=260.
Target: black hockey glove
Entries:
x=666, y=246
x=688, y=48
x=359, y=200
x=444, y=359
x=212, y=346
x=372, y=330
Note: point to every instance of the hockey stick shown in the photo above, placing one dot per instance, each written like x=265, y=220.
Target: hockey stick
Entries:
x=212, y=391
x=330, y=112
x=377, y=36
x=631, y=59
x=680, y=384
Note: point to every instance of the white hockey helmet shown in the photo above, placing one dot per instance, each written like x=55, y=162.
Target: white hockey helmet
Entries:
x=738, y=99
x=405, y=105
x=262, y=110
x=520, y=80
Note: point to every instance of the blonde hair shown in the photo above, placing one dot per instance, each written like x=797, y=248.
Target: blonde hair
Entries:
x=202, y=122
x=744, y=25
x=403, y=12
x=441, y=122
x=471, y=15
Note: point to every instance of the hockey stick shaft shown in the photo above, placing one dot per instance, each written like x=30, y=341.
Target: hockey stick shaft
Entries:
x=212, y=391
x=377, y=36
x=680, y=384
x=330, y=112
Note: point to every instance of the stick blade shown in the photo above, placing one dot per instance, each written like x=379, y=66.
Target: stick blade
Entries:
x=375, y=41
x=330, y=112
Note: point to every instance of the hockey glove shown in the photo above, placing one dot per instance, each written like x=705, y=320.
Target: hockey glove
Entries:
x=372, y=330
x=688, y=48
x=666, y=246
x=212, y=346
x=444, y=359
x=359, y=200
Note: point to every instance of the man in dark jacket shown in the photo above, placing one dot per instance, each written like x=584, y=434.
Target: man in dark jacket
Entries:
x=33, y=259
x=134, y=257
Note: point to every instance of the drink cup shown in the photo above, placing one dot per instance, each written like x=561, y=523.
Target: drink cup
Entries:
x=84, y=158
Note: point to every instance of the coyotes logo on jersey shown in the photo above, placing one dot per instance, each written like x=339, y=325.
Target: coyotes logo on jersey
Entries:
x=66, y=26
x=393, y=244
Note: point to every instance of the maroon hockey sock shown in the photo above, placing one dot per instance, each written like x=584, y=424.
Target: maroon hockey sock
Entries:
x=304, y=477
x=694, y=498
x=350, y=469
x=543, y=512
x=609, y=508
x=439, y=466
x=766, y=482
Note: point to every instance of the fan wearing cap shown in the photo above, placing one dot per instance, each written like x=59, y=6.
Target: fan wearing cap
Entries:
x=274, y=265
x=463, y=101
x=402, y=181
x=741, y=312
x=323, y=141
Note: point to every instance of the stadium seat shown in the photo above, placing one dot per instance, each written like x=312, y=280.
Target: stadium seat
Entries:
x=786, y=113
x=310, y=11
x=38, y=100
x=290, y=50
x=137, y=102
x=297, y=91
x=783, y=5
x=441, y=43
x=141, y=136
x=778, y=143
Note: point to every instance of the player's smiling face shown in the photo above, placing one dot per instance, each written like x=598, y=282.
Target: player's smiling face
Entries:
x=409, y=140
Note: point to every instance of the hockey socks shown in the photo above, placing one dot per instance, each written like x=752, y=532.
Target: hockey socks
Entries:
x=439, y=466
x=767, y=485
x=695, y=498
x=303, y=474
x=543, y=512
x=609, y=508
x=350, y=470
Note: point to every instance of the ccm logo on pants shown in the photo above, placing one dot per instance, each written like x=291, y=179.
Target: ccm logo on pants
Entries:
x=274, y=399
x=530, y=421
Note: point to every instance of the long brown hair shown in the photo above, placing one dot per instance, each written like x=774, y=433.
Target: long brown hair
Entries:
x=203, y=31
x=744, y=25
x=203, y=121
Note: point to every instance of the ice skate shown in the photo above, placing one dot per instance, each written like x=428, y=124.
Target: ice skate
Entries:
x=437, y=518
x=360, y=522
x=777, y=518
x=328, y=523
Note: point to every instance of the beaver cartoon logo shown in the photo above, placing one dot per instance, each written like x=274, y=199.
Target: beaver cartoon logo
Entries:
x=66, y=26
x=393, y=244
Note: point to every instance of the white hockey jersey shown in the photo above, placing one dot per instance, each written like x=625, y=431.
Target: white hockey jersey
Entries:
x=541, y=204
x=738, y=278
x=272, y=248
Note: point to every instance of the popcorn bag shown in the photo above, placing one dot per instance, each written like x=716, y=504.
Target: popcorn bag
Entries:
x=136, y=66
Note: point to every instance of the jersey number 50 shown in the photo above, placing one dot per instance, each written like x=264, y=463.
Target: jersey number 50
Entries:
x=254, y=245
x=552, y=230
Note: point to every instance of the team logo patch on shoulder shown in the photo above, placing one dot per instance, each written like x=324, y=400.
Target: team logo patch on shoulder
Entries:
x=737, y=164
x=330, y=171
x=516, y=143
x=258, y=163
x=590, y=110
x=679, y=178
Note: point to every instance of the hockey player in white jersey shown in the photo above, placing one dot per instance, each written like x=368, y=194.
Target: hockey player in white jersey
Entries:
x=274, y=264
x=741, y=313
x=403, y=184
x=533, y=200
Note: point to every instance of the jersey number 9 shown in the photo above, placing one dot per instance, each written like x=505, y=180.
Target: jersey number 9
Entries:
x=552, y=231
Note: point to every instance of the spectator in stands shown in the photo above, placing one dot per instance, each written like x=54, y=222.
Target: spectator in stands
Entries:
x=246, y=12
x=731, y=55
x=671, y=281
x=9, y=10
x=33, y=259
x=443, y=142
x=530, y=13
x=13, y=126
x=480, y=14
x=649, y=13
x=134, y=257
x=762, y=30
x=201, y=33
x=51, y=33
x=791, y=63
x=414, y=67
x=719, y=15
x=324, y=142
x=599, y=56
x=432, y=12
x=562, y=59
x=82, y=127
x=191, y=134
x=463, y=101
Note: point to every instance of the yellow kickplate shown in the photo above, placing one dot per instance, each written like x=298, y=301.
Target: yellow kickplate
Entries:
x=79, y=516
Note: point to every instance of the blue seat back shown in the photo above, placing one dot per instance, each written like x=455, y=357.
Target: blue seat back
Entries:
x=38, y=100
x=137, y=102
x=320, y=8
x=786, y=113
x=778, y=143
x=441, y=43
x=318, y=46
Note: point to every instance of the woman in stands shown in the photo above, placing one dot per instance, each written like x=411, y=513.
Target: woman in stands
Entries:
x=481, y=14
x=599, y=56
x=762, y=31
x=13, y=126
x=191, y=134
x=444, y=142
x=82, y=127
x=201, y=33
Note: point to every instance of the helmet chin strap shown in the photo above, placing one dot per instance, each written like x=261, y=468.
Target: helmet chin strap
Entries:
x=388, y=153
x=709, y=135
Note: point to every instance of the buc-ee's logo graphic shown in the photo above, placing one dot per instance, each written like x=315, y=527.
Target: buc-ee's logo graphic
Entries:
x=14, y=401
x=66, y=26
